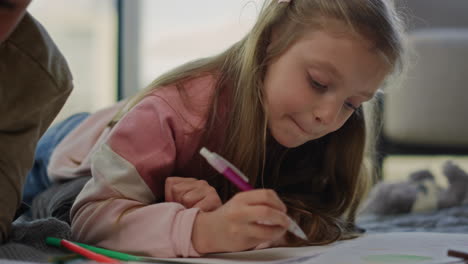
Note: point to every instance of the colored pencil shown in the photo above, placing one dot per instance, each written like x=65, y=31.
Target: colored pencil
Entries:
x=86, y=253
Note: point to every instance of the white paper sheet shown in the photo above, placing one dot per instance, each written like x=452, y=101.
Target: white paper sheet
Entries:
x=396, y=248
x=383, y=248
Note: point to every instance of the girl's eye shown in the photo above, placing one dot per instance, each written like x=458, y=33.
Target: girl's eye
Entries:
x=323, y=87
x=318, y=85
x=351, y=106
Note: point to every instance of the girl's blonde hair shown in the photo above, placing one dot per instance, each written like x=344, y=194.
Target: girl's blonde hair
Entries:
x=329, y=208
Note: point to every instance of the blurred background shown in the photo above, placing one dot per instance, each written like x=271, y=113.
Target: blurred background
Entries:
x=116, y=47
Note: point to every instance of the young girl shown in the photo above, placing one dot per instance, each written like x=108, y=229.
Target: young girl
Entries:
x=283, y=104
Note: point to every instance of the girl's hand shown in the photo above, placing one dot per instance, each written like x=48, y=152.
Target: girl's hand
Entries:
x=247, y=220
x=191, y=192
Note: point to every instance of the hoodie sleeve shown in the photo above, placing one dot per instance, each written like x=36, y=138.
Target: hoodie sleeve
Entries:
x=117, y=208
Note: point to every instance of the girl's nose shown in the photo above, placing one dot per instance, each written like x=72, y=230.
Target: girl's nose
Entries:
x=327, y=113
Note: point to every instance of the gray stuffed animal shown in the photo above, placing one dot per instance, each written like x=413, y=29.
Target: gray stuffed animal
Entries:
x=419, y=193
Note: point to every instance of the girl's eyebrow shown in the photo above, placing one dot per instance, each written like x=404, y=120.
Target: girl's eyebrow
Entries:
x=328, y=67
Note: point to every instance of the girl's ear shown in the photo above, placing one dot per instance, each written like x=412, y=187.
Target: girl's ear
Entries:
x=272, y=38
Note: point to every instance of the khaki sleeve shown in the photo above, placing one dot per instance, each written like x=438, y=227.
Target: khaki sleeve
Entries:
x=35, y=82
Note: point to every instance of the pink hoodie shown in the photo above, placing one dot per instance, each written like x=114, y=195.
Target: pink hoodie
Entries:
x=121, y=207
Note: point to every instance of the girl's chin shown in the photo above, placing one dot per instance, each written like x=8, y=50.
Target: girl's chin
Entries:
x=288, y=140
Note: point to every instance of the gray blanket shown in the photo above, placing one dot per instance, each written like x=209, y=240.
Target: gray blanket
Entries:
x=27, y=241
x=49, y=216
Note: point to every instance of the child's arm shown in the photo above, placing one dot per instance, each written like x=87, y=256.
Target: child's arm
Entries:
x=159, y=230
x=116, y=209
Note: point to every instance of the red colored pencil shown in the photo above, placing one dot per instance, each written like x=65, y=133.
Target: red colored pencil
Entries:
x=87, y=253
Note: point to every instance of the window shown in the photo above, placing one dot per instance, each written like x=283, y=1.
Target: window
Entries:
x=85, y=32
x=155, y=36
x=177, y=31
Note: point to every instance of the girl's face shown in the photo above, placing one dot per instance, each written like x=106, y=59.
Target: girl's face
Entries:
x=317, y=84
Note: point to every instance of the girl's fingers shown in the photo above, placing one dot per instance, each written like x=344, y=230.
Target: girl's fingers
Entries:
x=260, y=223
x=264, y=233
x=208, y=203
x=206, y=198
x=191, y=198
x=191, y=192
x=267, y=216
x=179, y=190
x=262, y=197
x=171, y=182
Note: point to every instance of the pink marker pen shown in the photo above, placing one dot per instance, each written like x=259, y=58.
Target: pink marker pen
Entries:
x=238, y=178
